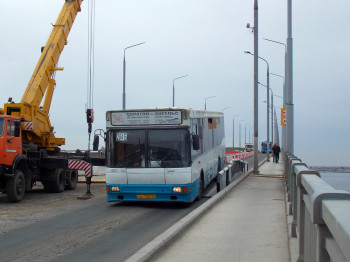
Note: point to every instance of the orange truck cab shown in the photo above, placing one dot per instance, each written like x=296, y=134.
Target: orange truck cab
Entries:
x=10, y=141
x=12, y=178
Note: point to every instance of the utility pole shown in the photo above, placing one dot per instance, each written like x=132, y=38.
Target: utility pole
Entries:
x=289, y=93
x=256, y=90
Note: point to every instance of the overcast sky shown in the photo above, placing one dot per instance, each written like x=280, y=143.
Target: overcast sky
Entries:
x=204, y=39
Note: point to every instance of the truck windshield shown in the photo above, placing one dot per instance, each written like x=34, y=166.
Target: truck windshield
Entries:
x=2, y=123
x=148, y=148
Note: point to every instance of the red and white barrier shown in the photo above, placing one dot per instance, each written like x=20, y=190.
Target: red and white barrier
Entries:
x=238, y=156
x=81, y=165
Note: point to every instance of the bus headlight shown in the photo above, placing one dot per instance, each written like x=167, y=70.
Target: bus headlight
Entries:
x=115, y=189
x=180, y=189
x=177, y=189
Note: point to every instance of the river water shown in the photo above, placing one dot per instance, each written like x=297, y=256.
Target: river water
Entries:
x=339, y=181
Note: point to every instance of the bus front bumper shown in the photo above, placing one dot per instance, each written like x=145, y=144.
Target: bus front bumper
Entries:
x=156, y=193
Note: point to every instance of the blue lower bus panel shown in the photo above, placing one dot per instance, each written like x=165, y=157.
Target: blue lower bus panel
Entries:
x=163, y=193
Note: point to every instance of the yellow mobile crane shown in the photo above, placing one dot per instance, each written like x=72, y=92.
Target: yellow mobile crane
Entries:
x=29, y=151
x=36, y=124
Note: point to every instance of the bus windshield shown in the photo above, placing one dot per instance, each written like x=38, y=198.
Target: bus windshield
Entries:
x=148, y=148
x=2, y=124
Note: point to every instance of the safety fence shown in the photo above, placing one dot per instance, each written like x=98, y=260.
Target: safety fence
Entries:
x=230, y=173
x=238, y=156
x=321, y=214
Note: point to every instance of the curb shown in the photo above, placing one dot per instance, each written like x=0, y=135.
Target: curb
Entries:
x=148, y=251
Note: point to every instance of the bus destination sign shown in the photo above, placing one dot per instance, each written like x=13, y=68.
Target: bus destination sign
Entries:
x=134, y=118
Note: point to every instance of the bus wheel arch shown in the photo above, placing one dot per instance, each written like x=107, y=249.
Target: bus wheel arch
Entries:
x=201, y=186
x=219, y=166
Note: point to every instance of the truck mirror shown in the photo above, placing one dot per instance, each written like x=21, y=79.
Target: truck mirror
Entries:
x=95, y=143
x=195, y=142
x=17, y=131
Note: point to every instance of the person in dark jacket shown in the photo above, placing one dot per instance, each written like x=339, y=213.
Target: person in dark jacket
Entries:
x=276, y=152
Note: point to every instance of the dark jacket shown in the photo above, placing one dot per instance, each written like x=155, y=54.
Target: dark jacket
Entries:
x=276, y=150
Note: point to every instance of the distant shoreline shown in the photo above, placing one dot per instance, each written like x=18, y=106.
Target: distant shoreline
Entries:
x=333, y=169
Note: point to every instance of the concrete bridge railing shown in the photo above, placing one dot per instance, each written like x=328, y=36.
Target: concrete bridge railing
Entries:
x=321, y=214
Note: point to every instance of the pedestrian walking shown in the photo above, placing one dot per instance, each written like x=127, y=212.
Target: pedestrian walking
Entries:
x=276, y=152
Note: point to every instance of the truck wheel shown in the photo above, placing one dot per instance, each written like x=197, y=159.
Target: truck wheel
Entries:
x=56, y=181
x=60, y=181
x=72, y=180
x=15, y=187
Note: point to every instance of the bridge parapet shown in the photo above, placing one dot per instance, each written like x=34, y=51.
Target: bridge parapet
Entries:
x=321, y=214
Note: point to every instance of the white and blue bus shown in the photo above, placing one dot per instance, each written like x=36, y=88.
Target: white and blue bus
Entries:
x=167, y=154
x=264, y=147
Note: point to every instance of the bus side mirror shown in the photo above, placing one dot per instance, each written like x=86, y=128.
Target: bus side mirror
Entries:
x=95, y=143
x=195, y=142
x=17, y=131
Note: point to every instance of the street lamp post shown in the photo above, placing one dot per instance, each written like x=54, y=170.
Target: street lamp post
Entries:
x=250, y=135
x=283, y=127
x=245, y=133
x=174, y=87
x=205, y=102
x=240, y=132
x=277, y=138
x=124, y=69
x=271, y=110
x=256, y=88
x=267, y=107
x=289, y=87
x=256, y=91
x=272, y=116
x=285, y=80
x=233, y=131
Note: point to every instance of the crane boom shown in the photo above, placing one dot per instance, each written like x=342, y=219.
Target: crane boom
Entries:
x=36, y=125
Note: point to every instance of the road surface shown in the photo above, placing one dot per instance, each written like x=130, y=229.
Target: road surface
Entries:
x=59, y=227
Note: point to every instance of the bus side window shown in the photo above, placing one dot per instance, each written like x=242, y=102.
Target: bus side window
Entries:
x=200, y=133
x=194, y=126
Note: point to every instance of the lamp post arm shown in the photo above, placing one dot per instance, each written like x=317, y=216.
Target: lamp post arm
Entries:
x=174, y=87
x=285, y=46
x=124, y=70
x=132, y=46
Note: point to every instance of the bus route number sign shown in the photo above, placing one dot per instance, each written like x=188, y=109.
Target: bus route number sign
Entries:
x=122, y=137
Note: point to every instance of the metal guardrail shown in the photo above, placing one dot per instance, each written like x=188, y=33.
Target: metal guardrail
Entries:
x=227, y=175
x=321, y=214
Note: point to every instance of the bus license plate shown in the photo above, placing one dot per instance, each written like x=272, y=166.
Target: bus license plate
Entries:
x=148, y=196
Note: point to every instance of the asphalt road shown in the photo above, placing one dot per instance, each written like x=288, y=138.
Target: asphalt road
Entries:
x=58, y=227
x=84, y=230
